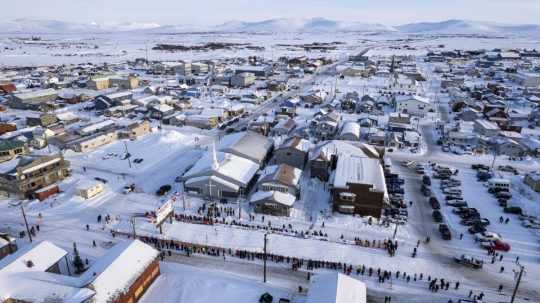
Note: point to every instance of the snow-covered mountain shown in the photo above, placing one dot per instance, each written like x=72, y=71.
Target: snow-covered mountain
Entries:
x=302, y=25
x=282, y=25
x=30, y=26
x=468, y=27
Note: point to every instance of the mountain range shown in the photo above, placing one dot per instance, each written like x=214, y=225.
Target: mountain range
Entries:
x=282, y=25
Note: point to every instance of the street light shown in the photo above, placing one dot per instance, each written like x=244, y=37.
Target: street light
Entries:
x=24, y=217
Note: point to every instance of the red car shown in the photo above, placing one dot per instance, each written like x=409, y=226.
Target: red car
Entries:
x=497, y=245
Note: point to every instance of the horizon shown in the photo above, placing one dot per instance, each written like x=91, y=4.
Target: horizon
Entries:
x=158, y=24
x=212, y=12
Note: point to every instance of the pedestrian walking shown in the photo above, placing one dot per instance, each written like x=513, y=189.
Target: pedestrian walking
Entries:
x=500, y=288
x=461, y=236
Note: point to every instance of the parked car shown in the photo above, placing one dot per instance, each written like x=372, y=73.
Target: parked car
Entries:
x=513, y=210
x=445, y=232
x=531, y=225
x=475, y=221
x=469, y=261
x=434, y=204
x=437, y=216
x=496, y=244
x=480, y=166
x=453, y=197
x=508, y=168
x=476, y=229
x=426, y=180
x=487, y=236
x=426, y=191
x=456, y=203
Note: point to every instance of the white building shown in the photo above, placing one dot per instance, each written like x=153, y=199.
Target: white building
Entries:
x=414, y=105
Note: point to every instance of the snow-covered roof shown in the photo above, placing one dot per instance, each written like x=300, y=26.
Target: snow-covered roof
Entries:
x=296, y=143
x=336, y=288
x=96, y=126
x=36, y=94
x=487, y=124
x=415, y=98
x=231, y=166
x=66, y=116
x=250, y=145
x=351, y=128
x=338, y=147
x=359, y=170
x=286, y=199
x=43, y=255
x=42, y=287
x=282, y=173
x=119, y=268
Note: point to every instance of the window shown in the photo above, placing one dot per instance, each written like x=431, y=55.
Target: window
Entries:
x=349, y=197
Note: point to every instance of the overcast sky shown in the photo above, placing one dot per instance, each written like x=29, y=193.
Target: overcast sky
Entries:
x=390, y=12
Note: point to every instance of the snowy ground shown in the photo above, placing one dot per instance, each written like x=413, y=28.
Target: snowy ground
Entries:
x=167, y=153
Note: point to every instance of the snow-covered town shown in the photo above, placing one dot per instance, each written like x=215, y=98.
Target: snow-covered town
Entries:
x=270, y=162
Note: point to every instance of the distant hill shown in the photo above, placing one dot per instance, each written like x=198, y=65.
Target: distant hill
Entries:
x=302, y=25
x=468, y=27
x=282, y=25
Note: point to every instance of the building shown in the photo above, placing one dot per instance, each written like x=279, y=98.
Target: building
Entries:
x=92, y=142
x=220, y=175
x=199, y=68
x=124, y=273
x=10, y=149
x=262, y=71
x=243, y=80
x=273, y=203
x=34, y=100
x=88, y=190
x=335, y=287
x=486, y=128
x=284, y=127
x=35, y=274
x=97, y=127
x=282, y=178
x=130, y=82
x=293, y=151
x=323, y=157
x=8, y=245
x=532, y=179
x=358, y=186
x=249, y=145
x=414, y=105
x=98, y=83
x=183, y=69
x=29, y=174
x=136, y=130
x=350, y=132
x=44, y=119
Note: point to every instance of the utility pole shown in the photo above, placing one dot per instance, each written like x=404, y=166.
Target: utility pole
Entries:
x=183, y=195
x=133, y=226
x=264, y=258
x=25, y=221
x=517, y=283
x=240, y=205
x=128, y=155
